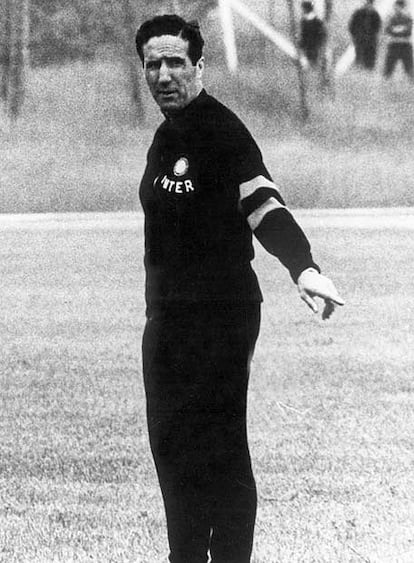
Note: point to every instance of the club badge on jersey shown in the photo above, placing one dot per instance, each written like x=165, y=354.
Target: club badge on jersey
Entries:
x=176, y=179
x=181, y=166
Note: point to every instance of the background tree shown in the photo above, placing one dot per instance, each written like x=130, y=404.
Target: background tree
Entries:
x=328, y=10
x=66, y=30
x=18, y=31
x=304, y=111
x=70, y=30
x=4, y=46
x=326, y=68
x=130, y=17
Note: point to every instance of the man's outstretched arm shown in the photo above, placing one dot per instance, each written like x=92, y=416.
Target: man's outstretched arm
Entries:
x=276, y=229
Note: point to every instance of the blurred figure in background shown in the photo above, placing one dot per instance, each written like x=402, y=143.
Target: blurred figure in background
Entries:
x=364, y=27
x=398, y=29
x=312, y=34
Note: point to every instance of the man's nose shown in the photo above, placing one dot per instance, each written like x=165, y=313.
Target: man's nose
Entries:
x=164, y=75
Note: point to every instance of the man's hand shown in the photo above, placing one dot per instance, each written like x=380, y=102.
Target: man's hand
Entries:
x=312, y=284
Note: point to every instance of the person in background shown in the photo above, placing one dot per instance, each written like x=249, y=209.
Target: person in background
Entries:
x=205, y=191
x=312, y=36
x=364, y=27
x=398, y=30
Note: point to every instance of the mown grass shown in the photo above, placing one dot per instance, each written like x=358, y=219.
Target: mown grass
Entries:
x=330, y=408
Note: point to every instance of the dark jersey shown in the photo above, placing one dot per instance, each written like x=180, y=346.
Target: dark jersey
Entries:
x=312, y=37
x=365, y=24
x=204, y=190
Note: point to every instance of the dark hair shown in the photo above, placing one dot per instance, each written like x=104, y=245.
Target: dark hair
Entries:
x=307, y=6
x=171, y=25
x=400, y=3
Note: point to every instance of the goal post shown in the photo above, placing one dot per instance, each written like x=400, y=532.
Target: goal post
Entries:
x=226, y=8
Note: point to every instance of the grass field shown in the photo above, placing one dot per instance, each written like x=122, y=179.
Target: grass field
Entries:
x=331, y=403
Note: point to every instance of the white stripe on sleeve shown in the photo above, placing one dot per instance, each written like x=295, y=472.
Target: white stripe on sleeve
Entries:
x=248, y=188
x=255, y=218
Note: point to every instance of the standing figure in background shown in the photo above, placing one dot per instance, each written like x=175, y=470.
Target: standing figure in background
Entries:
x=398, y=29
x=364, y=27
x=312, y=34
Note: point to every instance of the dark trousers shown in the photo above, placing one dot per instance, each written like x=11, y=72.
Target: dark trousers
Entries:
x=312, y=54
x=196, y=362
x=399, y=52
x=366, y=53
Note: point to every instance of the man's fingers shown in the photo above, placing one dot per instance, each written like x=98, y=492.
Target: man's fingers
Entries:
x=337, y=300
x=332, y=297
x=313, y=285
x=330, y=293
x=328, y=309
x=311, y=303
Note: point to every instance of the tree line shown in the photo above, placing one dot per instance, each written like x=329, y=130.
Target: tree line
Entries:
x=40, y=33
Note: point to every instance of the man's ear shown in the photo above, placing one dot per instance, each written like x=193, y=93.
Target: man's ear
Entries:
x=200, y=67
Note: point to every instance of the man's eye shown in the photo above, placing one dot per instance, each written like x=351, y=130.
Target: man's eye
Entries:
x=152, y=65
x=175, y=63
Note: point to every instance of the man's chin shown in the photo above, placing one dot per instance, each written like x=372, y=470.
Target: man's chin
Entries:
x=168, y=102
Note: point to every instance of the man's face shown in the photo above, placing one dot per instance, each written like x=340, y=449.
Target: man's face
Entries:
x=171, y=76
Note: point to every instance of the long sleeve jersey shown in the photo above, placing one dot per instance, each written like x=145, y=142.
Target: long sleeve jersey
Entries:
x=205, y=191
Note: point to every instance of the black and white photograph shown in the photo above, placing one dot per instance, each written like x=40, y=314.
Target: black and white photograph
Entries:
x=207, y=219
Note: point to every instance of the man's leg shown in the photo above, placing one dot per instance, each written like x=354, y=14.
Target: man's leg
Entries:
x=235, y=498
x=359, y=53
x=234, y=487
x=370, y=55
x=391, y=59
x=407, y=59
x=185, y=488
x=173, y=433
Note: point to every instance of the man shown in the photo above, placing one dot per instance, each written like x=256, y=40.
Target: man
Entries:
x=312, y=34
x=398, y=29
x=364, y=27
x=204, y=191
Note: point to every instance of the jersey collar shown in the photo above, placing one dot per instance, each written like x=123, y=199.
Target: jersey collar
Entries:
x=188, y=110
